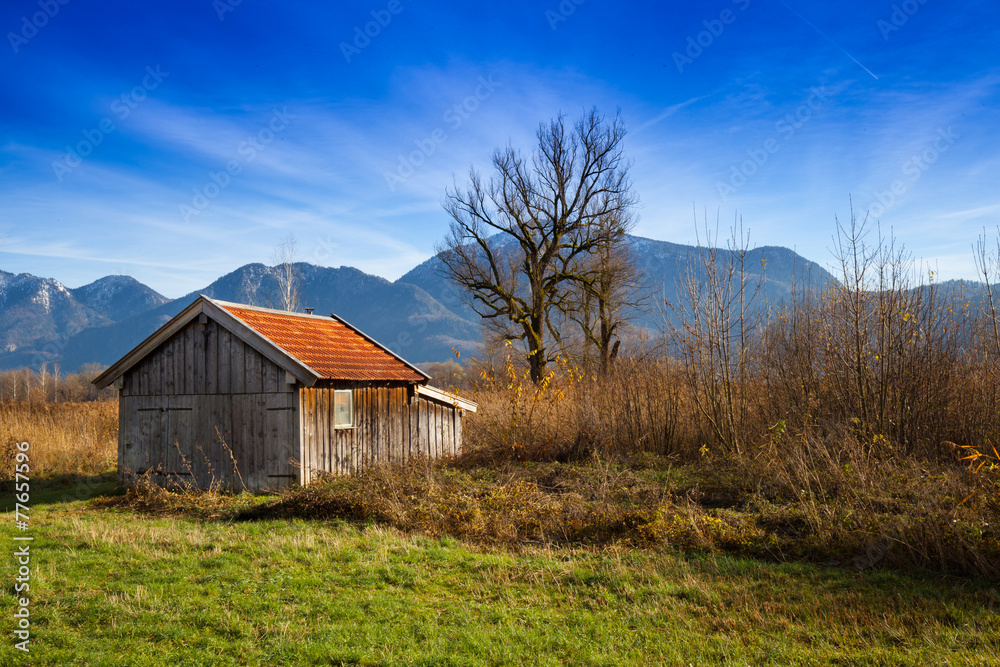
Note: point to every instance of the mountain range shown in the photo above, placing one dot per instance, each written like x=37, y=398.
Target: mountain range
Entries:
x=421, y=316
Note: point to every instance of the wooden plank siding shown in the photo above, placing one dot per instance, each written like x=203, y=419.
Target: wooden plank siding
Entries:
x=388, y=425
x=203, y=359
x=206, y=408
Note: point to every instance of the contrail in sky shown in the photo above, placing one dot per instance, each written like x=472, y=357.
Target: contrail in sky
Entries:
x=827, y=37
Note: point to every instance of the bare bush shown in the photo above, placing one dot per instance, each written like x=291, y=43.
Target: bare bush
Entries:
x=717, y=339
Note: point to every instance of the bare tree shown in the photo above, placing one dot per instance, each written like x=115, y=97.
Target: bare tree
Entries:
x=11, y=381
x=517, y=242
x=610, y=289
x=287, y=274
x=988, y=266
x=43, y=380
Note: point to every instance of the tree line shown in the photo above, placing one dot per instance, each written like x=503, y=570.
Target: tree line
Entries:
x=48, y=385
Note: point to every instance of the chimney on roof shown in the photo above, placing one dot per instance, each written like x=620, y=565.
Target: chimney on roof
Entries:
x=309, y=311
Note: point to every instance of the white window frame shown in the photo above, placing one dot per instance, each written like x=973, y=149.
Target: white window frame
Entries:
x=350, y=395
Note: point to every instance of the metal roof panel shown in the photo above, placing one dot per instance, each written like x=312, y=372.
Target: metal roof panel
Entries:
x=332, y=349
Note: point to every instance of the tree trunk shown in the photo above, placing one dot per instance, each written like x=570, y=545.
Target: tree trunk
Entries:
x=536, y=349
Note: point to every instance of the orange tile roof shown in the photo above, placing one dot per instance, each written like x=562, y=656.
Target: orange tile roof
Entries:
x=332, y=349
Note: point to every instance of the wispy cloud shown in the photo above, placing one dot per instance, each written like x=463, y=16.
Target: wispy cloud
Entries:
x=324, y=178
x=668, y=112
x=973, y=214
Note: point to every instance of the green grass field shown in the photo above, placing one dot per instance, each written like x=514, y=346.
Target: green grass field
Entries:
x=113, y=587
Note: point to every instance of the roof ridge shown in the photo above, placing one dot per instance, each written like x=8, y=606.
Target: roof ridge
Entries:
x=262, y=309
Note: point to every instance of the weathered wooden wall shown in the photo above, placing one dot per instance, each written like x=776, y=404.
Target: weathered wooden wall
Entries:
x=204, y=359
x=388, y=426
x=208, y=408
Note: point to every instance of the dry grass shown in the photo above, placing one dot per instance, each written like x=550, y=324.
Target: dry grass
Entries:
x=65, y=438
x=623, y=460
x=522, y=505
x=640, y=407
x=814, y=507
x=839, y=502
x=149, y=498
x=830, y=494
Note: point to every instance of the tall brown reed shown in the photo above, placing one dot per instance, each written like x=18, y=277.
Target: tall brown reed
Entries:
x=65, y=438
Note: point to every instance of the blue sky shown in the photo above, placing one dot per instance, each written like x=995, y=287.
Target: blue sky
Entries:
x=177, y=141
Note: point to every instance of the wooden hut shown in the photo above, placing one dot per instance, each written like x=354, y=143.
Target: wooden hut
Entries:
x=254, y=398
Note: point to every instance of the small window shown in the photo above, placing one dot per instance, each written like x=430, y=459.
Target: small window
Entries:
x=343, y=408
